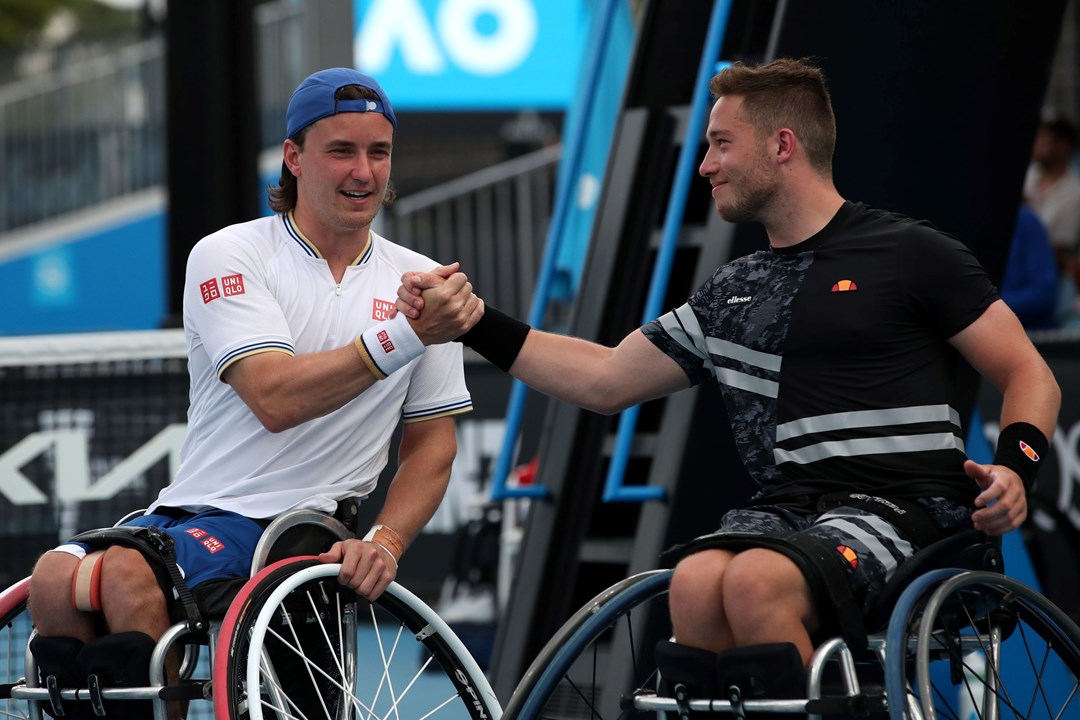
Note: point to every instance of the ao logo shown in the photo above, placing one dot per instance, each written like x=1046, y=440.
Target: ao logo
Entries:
x=481, y=37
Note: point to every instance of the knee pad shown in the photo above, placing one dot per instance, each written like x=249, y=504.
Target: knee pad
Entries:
x=57, y=658
x=120, y=660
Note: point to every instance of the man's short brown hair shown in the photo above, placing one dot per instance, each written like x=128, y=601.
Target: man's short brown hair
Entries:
x=785, y=94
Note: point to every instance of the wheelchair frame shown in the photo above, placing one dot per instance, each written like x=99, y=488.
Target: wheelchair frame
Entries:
x=25, y=697
x=940, y=617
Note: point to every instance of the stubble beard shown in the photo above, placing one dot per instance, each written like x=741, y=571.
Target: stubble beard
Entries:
x=352, y=221
x=749, y=206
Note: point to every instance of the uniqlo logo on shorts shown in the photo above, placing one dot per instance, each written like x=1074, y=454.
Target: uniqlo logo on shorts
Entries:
x=380, y=309
x=210, y=290
x=213, y=544
x=196, y=533
x=232, y=285
x=384, y=340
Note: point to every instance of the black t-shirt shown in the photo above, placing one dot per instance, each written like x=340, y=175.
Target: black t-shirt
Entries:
x=833, y=355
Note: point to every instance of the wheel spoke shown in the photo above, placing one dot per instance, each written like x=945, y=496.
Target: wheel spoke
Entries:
x=391, y=659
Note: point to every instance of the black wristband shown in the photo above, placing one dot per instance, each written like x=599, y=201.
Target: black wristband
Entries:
x=497, y=337
x=1021, y=447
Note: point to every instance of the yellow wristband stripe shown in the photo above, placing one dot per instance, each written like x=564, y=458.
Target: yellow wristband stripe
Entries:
x=366, y=357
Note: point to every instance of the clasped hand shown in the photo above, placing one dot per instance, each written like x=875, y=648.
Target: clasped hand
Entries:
x=439, y=304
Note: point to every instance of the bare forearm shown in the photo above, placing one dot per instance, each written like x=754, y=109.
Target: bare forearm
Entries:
x=418, y=487
x=598, y=378
x=1032, y=396
x=285, y=391
x=566, y=368
x=997, y=346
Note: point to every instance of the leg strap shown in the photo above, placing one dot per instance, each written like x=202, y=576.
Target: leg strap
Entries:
x=86, y=583
x=157, y=547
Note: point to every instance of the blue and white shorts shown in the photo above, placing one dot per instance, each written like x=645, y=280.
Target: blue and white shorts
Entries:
x=210, y=545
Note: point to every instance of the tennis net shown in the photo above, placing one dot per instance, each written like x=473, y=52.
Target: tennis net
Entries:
x=90, y=429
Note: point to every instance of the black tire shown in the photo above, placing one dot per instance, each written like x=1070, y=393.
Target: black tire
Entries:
x=15, y=628
x=599, y=656
x=957, y=671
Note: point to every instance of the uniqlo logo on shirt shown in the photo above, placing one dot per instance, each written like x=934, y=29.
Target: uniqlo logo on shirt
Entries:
x=384, y=340
x=232, y=285
x=380, y=309
x=210, y=290
x=196, y=533
x=213, y=544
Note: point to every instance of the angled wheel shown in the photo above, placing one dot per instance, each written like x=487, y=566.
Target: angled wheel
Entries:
x=15, y=630
x=600, y=655
x=982, y=645
x=297, y=644
x=1014, y=652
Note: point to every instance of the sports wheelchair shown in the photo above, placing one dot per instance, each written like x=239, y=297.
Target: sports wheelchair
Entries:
x=293, y=643
x=950, y=637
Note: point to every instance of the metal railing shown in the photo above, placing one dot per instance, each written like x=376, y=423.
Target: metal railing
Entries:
x=89, y=133
x=95, y=131
x=493, y=221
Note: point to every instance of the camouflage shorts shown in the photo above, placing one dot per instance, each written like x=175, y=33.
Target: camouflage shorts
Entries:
x=872, y=546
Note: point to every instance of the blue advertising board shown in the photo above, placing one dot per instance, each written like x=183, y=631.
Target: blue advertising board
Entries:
x=101, y=276
x=440, y=55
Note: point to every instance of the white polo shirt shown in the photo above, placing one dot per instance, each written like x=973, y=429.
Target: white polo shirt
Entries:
x=261, y=286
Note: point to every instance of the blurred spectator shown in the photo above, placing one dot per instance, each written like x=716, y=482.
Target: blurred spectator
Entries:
x=1068, y=299
x=1052, y=185
x=1030, y=285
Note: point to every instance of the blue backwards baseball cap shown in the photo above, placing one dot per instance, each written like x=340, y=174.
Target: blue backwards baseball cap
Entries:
x=314, y=99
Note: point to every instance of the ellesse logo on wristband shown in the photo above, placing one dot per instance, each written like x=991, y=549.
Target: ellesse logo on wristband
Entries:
x=1029, y=451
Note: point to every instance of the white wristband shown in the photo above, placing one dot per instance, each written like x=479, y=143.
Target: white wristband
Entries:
x=389, y=346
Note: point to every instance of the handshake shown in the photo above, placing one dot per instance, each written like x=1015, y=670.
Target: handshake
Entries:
x=439, y=304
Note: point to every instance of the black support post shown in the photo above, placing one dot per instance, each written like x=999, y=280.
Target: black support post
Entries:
x=212, y=134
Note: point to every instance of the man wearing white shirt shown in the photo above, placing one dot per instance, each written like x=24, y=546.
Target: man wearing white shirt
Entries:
x=298, y=380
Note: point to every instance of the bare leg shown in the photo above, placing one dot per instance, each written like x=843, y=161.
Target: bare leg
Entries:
x=50, y=599
x=768, y=600
x=696, y=600
x=132, y=600
x=131, y=597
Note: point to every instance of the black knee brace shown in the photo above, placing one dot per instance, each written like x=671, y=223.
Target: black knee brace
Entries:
x=118, y=660
x=58, y=667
